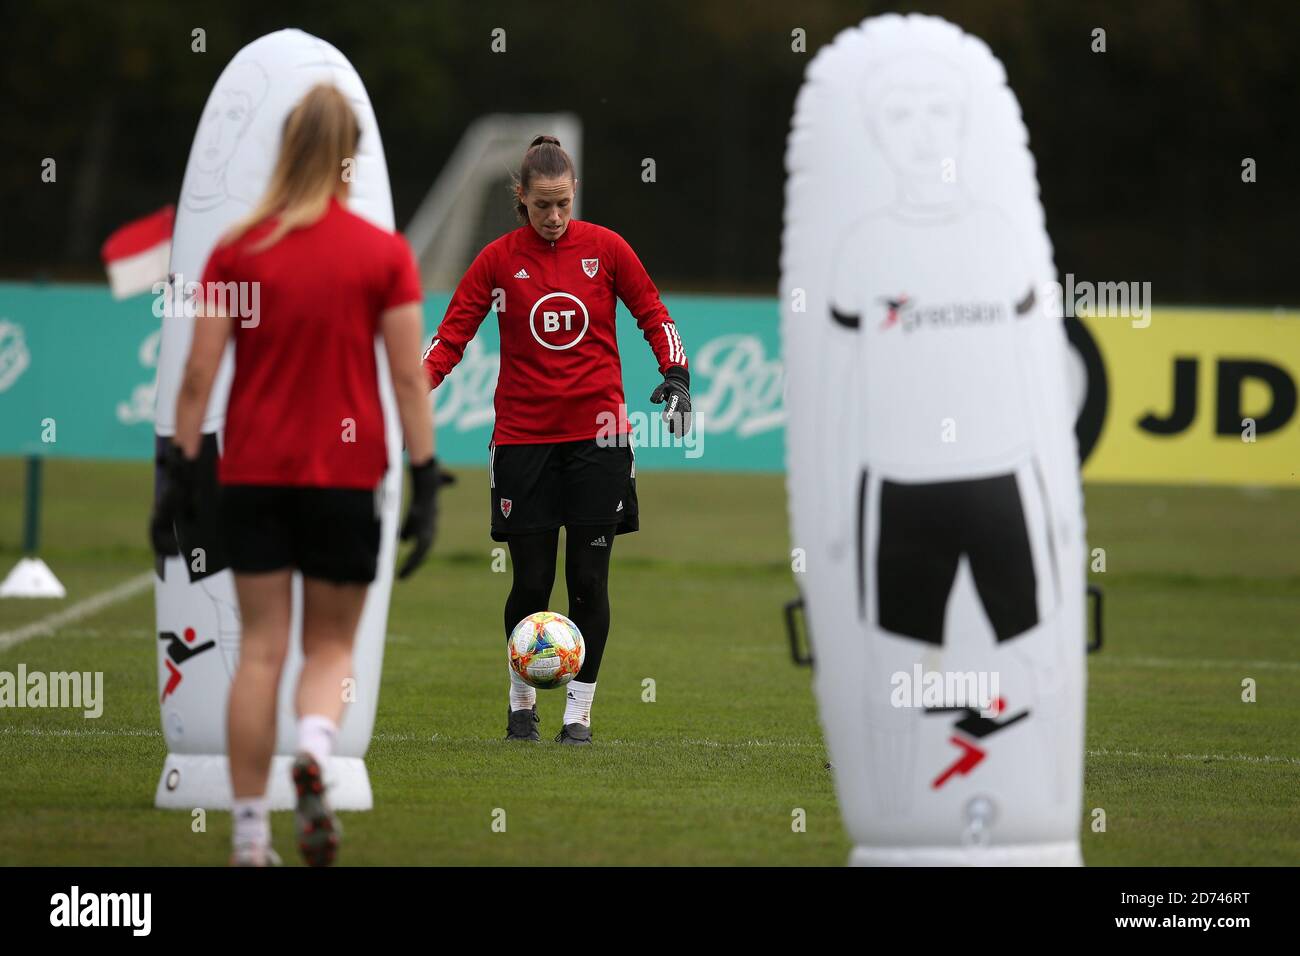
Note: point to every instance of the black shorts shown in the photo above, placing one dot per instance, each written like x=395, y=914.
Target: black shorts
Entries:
x=541, y=487
x=926, y=528
x=326, y=533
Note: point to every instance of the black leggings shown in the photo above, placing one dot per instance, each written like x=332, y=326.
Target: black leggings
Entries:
x=586, y=569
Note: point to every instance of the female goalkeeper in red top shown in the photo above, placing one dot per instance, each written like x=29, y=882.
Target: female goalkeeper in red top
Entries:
x=560, y=453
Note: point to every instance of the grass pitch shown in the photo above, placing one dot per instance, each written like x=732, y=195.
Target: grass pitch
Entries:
x=1202, y=591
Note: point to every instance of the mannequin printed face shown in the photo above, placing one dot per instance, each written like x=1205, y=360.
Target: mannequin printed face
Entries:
x=224, y=123
x=915, y=109
x=229, y=115
x=918, y=127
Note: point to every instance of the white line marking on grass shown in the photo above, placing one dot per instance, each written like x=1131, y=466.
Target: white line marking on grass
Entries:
x=793, y=744
x=1203, y=662
x=82, y=609
x=1202, y=758
x=72, y=732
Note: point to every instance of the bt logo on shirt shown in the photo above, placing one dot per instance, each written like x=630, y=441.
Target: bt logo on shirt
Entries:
x=558, y=320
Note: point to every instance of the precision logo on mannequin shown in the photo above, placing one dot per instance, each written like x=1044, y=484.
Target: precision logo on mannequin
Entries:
x=911, y=317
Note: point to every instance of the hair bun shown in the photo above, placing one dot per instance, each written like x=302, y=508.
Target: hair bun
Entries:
x=544, y=139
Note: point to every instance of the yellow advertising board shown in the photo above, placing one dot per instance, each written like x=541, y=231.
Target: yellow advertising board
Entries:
x=1198, y=395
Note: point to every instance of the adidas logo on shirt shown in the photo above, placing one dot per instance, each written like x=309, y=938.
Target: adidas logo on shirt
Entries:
x=600, y=542
x=620, y=506
x=521, y=274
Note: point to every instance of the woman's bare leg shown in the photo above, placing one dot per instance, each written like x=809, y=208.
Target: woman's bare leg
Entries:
x=329, y=627
x=265, y=602
x=331, y=613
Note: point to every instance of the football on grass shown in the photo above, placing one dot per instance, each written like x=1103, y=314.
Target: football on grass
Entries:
x=546, y=650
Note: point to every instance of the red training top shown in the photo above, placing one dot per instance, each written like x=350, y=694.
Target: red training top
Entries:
x=304, y=403
x=560, y=369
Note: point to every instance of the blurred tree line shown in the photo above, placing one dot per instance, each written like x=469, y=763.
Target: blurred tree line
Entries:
x=1139, y=149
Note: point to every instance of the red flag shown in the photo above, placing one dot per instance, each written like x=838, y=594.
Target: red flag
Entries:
x=137, y=254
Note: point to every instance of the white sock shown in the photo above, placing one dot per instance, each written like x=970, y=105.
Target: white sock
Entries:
x=252, y=818
x=577, y=703
x=522, y=695
x=316, y=735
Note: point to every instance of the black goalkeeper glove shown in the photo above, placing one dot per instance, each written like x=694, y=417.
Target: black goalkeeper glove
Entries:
x=177, y=501
x=421, y=524
x=675, y=394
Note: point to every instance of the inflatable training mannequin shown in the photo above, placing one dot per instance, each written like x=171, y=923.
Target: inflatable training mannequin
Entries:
x=932, y=467
x=229, y=167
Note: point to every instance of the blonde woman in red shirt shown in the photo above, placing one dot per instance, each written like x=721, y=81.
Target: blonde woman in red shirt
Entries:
x=296, y=494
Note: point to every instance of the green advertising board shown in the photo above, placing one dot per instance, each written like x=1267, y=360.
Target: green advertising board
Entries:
x=77, y=380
